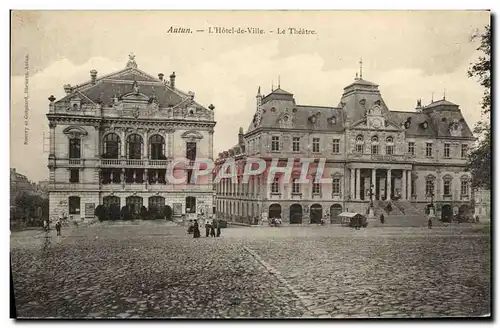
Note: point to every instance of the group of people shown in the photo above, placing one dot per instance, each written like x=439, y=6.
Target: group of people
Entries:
x=212, y=228
x=46, y=226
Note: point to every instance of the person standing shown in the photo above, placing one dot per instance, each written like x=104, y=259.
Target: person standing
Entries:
x=196, y=229
x=218, y=228
x=190, y=227
x=208, y=226
x=45, y=225
x=58, y=228
x=212, y=228
x=382, y=218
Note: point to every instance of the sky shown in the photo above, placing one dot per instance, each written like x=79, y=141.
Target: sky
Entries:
x=410, y=54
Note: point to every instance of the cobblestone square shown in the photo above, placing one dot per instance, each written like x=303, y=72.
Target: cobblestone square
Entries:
x=157, y=270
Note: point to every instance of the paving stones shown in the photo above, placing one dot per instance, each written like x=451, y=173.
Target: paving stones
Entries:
x=160, y=272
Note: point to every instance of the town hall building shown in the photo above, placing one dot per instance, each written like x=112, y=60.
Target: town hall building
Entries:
x=402, y=160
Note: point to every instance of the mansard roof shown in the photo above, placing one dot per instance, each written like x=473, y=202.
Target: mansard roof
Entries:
x=118, y=84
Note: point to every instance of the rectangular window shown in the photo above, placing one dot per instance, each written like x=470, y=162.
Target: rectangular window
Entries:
x=296, y=144
x=74, y=175
x=295, y=186
x=390, y=150
x=74, y=148
x=411, y=148
x=74, y=205
x=316, y=189
x=336, y=186
x=336, y=146
x=315, y=145
x=189, y=176
x=359, y=149
x=374, y=149
x=428, y=149
x=464, y=151
x=429, y=188
x=464, y=187
x=447, y=188
x=275, y=143
x=446, y=150
x=191, y=151
x=275, y=186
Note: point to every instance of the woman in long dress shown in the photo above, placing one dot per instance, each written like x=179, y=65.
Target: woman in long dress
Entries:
x=196, y=229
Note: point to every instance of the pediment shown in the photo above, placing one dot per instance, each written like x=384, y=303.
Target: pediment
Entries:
x=388, y=125
x=132, y=96
x=75, y=131
x=192, y=134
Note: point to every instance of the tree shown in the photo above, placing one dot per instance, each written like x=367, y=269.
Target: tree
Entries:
x=479, y=161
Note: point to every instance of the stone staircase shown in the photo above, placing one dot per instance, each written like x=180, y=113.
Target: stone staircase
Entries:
x=406, y=207
x=402, y=221
x=394, y=209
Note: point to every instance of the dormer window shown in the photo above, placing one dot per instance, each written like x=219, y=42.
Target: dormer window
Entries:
x=76, y=107
x=312, y=119
x=424, y=125
x=333, y=120
x=359, y=144
x=374, y=139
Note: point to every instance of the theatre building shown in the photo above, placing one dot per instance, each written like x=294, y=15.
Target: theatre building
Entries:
x=404, y=160
x=112, y=138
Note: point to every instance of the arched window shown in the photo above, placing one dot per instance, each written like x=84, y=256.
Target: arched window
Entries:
x=156, y=202
x=429, y=185
x=447, y=179
x=134, y=204
x=359, y=144
x=74, y=148
x=157, y=147
x=111, y=144
x=74, y=205
x=390, y=146
x=374, y=145
x=134, y=146
x=275, y=186
x=190, y=204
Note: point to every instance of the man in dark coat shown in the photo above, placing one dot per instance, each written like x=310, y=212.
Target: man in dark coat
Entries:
x=382, y=218
x=218, y=228
x=212, y=227
x=196, y=229
x=208, y=227
x=58, y=228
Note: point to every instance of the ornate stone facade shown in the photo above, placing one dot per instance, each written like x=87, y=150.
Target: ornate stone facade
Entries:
x=112, y=138
x=407, y=159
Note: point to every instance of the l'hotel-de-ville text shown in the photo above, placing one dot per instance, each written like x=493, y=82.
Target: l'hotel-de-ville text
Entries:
x=241, y=30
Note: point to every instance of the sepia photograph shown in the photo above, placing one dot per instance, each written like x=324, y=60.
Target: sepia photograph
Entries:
x=250, y=164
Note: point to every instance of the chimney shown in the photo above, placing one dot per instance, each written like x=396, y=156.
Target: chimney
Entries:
x=172, y=80
x=67, y=89
x=240, y=137
x=93, y=76
x=160, y=76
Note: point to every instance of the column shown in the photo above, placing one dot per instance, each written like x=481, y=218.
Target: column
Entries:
x=52, y=127
x=170, y=143
x=353, y=178
x=145, y=145
x=374, y=183
x=97, y=142
x=403, y=185
x=211, y=144
x=358, y=184
x=409, y=184
x=388, y=193
x=123, y=143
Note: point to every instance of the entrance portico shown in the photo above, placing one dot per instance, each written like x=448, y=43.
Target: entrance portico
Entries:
x=388, y=181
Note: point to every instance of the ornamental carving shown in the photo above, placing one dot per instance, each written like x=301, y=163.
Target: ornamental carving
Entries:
x=75, y=132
